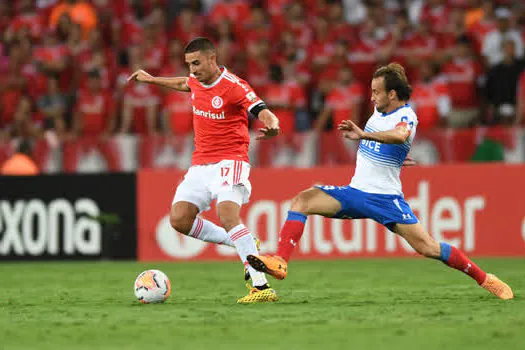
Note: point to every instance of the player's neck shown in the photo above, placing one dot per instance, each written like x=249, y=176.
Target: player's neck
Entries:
x=214, y=77
x=395, y=105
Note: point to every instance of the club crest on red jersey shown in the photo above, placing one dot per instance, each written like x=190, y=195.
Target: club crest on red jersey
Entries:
x=217, y=102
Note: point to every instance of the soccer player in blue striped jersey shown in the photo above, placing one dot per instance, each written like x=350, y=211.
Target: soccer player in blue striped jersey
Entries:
x=375, y=190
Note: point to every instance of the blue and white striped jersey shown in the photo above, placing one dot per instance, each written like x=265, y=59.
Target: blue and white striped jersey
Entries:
x=378, y=165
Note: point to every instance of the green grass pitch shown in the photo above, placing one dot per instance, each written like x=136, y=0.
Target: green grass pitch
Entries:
x=345, y=304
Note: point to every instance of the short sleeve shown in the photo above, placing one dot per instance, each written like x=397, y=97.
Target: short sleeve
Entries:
x=245, y=97
x=407, y=120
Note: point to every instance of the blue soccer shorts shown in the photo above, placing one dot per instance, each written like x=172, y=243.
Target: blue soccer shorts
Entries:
x=386, y=209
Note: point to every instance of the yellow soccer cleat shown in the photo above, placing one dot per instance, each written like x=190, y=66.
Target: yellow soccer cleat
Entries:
x=272, y=265
x=259, y=296
x=258, y=244
x=497, y=287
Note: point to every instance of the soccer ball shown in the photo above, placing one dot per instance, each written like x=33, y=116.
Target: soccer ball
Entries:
x=152, y=286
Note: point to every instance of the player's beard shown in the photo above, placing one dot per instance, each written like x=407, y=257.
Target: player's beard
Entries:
x=381, y=108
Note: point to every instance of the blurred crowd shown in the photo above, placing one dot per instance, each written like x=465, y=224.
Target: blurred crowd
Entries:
x=64, y=64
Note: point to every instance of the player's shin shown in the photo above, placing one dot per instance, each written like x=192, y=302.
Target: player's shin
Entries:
x=291, y=234
x=207, y=231
x=456, y=259
x=245, y=245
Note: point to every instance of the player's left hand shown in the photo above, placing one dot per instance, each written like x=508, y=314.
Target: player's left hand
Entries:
x=351, y=130
x=409, y=162
x=268, y=132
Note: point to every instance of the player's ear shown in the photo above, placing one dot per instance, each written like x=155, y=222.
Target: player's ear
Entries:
x=392, y=94
x=211, y=55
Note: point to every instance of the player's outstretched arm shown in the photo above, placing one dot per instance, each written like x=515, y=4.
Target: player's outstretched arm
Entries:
x=271, y=125
x=351, y=131
x=176, y=83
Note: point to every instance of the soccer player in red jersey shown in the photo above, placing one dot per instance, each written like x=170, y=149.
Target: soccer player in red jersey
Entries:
x=220, y=166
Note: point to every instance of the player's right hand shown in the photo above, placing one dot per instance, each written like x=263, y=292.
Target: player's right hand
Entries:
x=268, y=132
x=140, y=75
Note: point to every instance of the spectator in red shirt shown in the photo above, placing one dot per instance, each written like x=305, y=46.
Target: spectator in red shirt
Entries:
x=95, y=60
x=256, y=28
x=436, y=13
x=343, y=102
x=454, y=29
x=420, y=45
x=236, y=11
x=288, y=50
x=140, y=106
x=339, y=27
x=430, y=98
x=321, y=48
x=177, y=114
x=374, y=45
x=338, y=61
x=52, y=57
x=283, y=98
x=227, y=44
x=174, y=65
x=12, y=86
x=463, y=76
x=154, y=49
x=93, y=123
x=188, y=25
x=296, y=22
x=258, y=63
x=27, y=19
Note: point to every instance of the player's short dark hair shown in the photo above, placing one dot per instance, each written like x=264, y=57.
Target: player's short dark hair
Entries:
x=199, y=44
x=395, y=79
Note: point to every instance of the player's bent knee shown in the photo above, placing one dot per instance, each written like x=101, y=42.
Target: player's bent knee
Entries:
x=181, y=223
x=301, y=202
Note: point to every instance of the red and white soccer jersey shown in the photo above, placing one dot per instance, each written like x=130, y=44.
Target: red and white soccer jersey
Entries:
x=220, y=168
x=220, y=119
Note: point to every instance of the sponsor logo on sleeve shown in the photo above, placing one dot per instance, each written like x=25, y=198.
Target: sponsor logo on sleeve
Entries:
x=251, y=96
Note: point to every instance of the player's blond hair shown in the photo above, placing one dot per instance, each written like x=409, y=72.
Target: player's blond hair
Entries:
x=395, y=79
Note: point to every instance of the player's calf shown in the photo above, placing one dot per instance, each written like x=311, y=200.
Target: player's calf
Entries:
x=182, y=217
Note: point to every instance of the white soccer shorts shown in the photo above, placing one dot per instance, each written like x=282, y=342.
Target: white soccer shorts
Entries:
x=227, y=180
